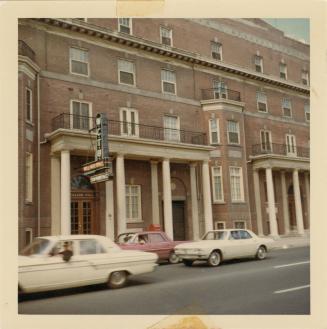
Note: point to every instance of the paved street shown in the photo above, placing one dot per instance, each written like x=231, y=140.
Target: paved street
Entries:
x=277, y=285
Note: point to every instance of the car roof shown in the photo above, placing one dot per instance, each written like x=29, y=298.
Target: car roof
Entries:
x=72, y=237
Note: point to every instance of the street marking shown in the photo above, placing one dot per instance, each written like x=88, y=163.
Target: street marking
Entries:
x=291, y=289
x=292, y=264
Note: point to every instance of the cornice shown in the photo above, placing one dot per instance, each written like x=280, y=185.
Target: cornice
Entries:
x=167, y=51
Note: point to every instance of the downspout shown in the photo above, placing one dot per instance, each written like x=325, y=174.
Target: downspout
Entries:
x=38, y=157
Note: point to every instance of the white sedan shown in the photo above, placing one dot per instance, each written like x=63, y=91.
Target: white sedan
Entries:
x=54, y=262
x=219, y=245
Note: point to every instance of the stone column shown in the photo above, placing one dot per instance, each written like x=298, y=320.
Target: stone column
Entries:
x=55, y=195
x=65, y=193
x=271, y=203
x=257, y=197
x=110, y=216
x=121, y=194
x=207, y=204
x=298, y=205
x=168, y=211
x=307, y=193
x=194, y=200
x=286, y=214
x=154, y=192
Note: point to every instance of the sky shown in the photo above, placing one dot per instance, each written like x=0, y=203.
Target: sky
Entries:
x=298, y=28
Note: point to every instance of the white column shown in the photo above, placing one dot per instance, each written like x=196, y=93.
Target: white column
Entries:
x=285, y=204
x=271, y=203
x=110, y=222
x=194, y=200
x=121, y=194
x=298, y=206
x=154, y=192
x=307, y=193
x=207, y=204
x=168, y=211
x=55, y=195
x=65, y=192
x=257, y=197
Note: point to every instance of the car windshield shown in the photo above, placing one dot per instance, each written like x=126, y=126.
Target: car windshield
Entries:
x=37, y=247
x=218, y=235
x=126, y=238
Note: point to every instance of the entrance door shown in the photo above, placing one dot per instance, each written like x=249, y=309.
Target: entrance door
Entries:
x=82, y=217
x=178, y=220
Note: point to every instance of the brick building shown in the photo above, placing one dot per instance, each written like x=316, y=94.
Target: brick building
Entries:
x=208, y=126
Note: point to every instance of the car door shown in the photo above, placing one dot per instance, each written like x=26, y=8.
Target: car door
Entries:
x=234, y=245
x=248, y=243
x=160, y=245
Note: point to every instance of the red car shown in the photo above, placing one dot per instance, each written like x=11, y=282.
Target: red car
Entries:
x=153, y=241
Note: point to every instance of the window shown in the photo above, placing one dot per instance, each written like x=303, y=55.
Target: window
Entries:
x=79, y=61
x=28, y=236
x=239, y=224
x=307, y=111
x=125, y=25
x=217, y=184
x=305, y=77
x=29, y=177
x=156, y=238
x=265, y=137
x=171, y=128
x=236, y=184
x=220, y=89
x=245, y=234
x=81, y=115
x=168, y=80
x=214, y=131
x=216, y=50
x=283, y=71
x=287, y=108
x=220, y=225
x=258, y=63
x=129, y=122
x=262, y=101
x=126, y=72
x=90, y=247
x=29, y=105
x=290, y=145
x=233, y=132
x=166, y=36
x=133, y=202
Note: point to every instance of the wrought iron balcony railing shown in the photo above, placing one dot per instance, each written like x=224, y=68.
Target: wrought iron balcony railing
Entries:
x=123, y=128
x=221, y=93
x=281, y=149
x=25, y=50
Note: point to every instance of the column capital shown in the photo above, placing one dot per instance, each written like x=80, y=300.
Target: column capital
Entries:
x=193, y=164
x=120, y=155
x=205, y=162
x=154, y=162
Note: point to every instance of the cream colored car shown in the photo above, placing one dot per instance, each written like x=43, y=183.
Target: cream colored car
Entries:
x=55, y=262
x=219, y=245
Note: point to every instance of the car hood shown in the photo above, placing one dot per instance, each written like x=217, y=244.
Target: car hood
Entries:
x=199, y=244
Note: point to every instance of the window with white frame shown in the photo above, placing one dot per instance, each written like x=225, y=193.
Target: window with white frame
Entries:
x=287, y=107
x=265, y=137
x=125, y=25
x=290, y=145
x=28, y=236
x=236, y=184
x=168, y=80
x=307, y=111
x=262, y=101
x=171, y=128
x=166, y=36
x=258, y=63
x=29, y=104
x=79, y=61
x=233, y=132
x=240, y=224
x=129, y=119
x=133, y=202
x=220, y=89
x=217, y=184
x=214, y=131
x=29, y=177
x=305, y=77
x=126, y=72
x=283, y=71
x=216, y=50
x=220, y=225
x=81, y=115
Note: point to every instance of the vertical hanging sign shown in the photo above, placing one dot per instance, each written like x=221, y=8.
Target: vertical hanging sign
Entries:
x=102, y=148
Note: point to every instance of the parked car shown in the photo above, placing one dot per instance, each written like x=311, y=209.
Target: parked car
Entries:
x=220, y=245
x=53, y=262
x=153, y=241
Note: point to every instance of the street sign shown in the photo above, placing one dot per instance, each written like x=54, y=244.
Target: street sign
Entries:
x=102, y=177
x=96, y=166
x=101, y=126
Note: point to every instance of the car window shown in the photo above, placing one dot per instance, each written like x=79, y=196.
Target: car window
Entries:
x=245, y=235
x=126, y=238
x=90, y=246
x=37, y=247
x=156, y=238
x=235, y=235
x=143, y=238
x=218, y=235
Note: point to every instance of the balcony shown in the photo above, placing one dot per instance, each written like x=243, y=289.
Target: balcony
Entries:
x=281, y=149
x=130, y=130
x=222, y=94
x=25, y=50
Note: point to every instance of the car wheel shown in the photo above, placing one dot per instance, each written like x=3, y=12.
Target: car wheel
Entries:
x=188, y=262
x=214, y=259
x=117, y=279
x=261, y=253
x=173, y=258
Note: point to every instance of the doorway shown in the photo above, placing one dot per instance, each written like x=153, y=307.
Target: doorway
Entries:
x=179, y=220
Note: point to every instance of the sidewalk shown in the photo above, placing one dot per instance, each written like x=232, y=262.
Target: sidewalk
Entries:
x=285, y=242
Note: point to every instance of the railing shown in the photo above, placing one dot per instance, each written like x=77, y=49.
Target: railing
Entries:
x=219, y=93
x=122, y=128
x=281, y=149
x=25, y=50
